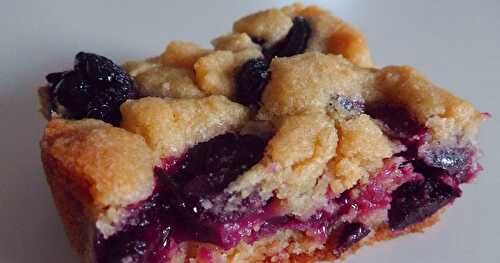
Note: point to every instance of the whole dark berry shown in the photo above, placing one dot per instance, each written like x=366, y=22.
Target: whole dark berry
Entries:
x=73, y=92
x=350, y=235
x=95, y=88
x=398, y=122
x=251, y=80
x=415, y=201
x=254, y=75
x=97, y=68
x=212, y=165
x=295, y=41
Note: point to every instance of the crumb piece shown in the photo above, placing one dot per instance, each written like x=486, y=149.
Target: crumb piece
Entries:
x=182, y=54
x=170, y=126
x=270, y=25
x=234, y=42
x=360, y=152
x=307, y=82
x=215, y=72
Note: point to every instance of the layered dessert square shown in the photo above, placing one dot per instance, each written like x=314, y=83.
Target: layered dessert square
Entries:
x=282, y=143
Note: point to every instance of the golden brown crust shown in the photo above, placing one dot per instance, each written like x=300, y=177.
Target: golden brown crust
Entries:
x=159, y=80
x=171, y=74
x=332, y=35
x=182, y=54
x=360, y=153
x=269, y=25
x=446, y=115
x=289, y=246
x=234, y=42
x=381, y=233
x=215, y=72
x=77, y=219
x=95, y=170
x=309, y=82
x=170, y=126
x=111, y=167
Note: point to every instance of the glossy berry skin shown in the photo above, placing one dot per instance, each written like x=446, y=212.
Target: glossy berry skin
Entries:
x=414, y=201
x=398, y=122
x=351, y=234
x=95, y=88
x=295, y=41
x=212, y=165
x=251, y=81
x=173, y=212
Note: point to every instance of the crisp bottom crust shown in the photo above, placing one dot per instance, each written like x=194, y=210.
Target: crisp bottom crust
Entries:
x=381, y=234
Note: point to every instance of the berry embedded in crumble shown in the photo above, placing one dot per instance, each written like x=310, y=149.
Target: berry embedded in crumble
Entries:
x=282, y=143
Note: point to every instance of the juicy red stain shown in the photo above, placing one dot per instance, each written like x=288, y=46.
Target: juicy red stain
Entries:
x=399, y=123
x=205, y=255
x=363, y=199
x=174, y=212
x=417, y=200
x=414, y=186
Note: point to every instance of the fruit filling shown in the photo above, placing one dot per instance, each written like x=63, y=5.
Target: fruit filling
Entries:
x=253, y=76
x=189, y=202
x=95, y=88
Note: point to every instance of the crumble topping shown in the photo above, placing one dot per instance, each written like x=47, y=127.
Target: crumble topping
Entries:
x=270, y=25
x=170, y=126
x=298, y=153
x=156, y=80
x=234, y=42
x=307, y=82
x=107, y=167
x=450, y=118
x=182, y=54
x=361, y=149
x=215, y=72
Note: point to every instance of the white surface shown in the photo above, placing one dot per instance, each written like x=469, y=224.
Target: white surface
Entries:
x=455, y=43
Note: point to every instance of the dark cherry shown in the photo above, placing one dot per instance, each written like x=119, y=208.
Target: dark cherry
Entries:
x=350, y=235
x=95, y=88
x=174, y=211
x=73, y=92
x=251, y=80
x=399, y=122
x=101, y=69
x=414, y=201
x=295, y=41
x=144, y=238
x=253, y=76
x=212, y=165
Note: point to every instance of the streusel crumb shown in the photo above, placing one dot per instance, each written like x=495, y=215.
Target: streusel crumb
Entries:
x=308, y=82
x=170, y=126
x=361, y=149
x=157, y=80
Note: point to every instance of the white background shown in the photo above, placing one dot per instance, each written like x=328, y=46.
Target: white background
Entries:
x=455, y=43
